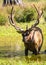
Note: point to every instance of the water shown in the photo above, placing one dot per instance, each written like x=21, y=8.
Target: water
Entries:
x=20, y=54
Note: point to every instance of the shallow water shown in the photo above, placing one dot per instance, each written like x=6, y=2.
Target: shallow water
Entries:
x=21, y=55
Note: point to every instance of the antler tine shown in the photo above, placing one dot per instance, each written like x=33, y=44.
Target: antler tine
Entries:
x=36, y=9
x=39, y=15
x=13, y=23
x=39, y=12
x=12, y=14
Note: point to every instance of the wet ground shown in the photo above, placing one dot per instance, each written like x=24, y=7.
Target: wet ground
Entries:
x=18, y=54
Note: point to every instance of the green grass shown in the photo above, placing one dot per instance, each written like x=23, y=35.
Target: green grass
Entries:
x=20, y=61
x=11, y=43
x=11, y=40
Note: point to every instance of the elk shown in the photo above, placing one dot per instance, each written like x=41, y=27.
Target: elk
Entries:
x=32, y=37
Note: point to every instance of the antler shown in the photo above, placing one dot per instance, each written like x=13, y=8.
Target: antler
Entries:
x=39, y=12
x=39, y=15
x=13, y=23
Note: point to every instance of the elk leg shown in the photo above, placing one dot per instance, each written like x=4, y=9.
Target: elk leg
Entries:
x=26, y=51
x=35, y=52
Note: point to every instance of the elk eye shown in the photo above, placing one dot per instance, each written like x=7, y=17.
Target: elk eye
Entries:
x=24, y=34
x=27, y=33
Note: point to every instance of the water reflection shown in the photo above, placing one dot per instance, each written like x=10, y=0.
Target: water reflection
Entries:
x=20, y=54
x=40, y=57
x=35, y=57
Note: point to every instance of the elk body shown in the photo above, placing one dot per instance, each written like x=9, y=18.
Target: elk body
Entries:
x=32, y=37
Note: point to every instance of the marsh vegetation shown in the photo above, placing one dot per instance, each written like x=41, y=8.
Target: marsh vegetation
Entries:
x=11, y=45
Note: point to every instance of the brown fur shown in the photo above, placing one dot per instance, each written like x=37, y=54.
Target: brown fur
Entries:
x=33, y=40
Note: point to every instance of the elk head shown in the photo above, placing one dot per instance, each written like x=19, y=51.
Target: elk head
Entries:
x=32, y=37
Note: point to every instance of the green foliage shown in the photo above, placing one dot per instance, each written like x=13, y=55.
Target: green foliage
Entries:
x=25, y=15
x=2, y=19
x=20, y=61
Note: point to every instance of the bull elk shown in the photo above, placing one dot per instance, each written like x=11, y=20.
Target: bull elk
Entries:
x=32, y=37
